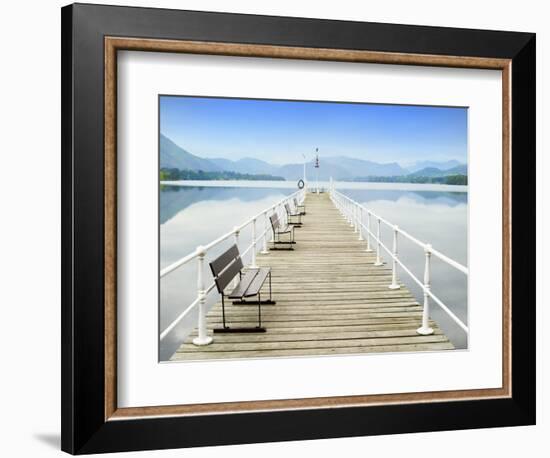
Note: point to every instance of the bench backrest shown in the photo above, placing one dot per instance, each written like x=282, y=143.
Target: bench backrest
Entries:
x=226, y=266
x=274, y=219
x=287, y=208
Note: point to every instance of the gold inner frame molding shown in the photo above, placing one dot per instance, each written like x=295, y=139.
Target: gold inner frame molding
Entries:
x=114, y=44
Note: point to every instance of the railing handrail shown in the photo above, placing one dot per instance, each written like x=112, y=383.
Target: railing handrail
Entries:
x=428, y=249
x=421, y=244
x=200, y=253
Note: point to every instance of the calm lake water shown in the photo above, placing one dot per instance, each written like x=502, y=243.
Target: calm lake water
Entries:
x=198, y=213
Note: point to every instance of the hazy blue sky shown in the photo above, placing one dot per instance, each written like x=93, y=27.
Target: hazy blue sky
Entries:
x=280, y=131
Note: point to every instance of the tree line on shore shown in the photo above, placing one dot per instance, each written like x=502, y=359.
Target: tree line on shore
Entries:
x=449, y=179
x=174, y=174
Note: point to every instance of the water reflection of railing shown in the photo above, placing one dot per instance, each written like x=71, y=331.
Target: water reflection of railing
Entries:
x=201, y=252
x=356, y=214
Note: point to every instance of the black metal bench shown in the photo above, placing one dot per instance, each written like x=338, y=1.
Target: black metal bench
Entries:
x=224, y=269
x=291, y=215
x=301, y=208
x=278, y=231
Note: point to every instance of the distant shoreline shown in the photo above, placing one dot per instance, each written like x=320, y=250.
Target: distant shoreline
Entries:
x=322, y=184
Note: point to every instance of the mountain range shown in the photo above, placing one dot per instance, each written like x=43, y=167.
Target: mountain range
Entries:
x=173, y=156
x=460, y=169
x=338, y=167
x=441, y=165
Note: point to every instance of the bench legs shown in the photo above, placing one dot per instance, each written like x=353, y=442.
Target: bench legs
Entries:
x=228, y=330
x=277, y=241
x=259, y=328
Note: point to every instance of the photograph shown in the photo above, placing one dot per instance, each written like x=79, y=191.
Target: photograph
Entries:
x=300, y=228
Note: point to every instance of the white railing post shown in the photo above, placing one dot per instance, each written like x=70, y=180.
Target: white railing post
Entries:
x=361, y=223
x=351, y=213
x=355, y=217
x=236, y=230
x=272, y=234
x=378, y=261
x=369, y=249
x=265, y=250
x=425, y=329
x=253, y=259
x=394, y=284
x=203, y=337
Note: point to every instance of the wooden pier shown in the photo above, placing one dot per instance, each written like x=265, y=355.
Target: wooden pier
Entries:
x=331, y=299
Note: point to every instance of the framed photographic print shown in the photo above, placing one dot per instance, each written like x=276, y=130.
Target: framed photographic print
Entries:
x=282, y=228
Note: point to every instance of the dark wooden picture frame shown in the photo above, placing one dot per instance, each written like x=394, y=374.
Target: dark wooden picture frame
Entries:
x=91, y=37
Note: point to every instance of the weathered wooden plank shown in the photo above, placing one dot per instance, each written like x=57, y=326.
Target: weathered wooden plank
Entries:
x=308, y=312
x=280, y=330
x=359, y=295
x=316, y=336
x=345, y=285
x=306, y=306
x=316, y=344
x=327, y=279
x=274, y=321
x=335, y=305
x=432, y=346
x=331, y=322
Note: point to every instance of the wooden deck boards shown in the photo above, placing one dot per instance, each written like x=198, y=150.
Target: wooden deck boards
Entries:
x=331, y=300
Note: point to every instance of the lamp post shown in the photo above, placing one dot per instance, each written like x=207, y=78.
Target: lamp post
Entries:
x=317, y=168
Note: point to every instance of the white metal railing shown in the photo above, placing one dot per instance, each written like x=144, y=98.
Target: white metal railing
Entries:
x=356, y=214
x=201, y=251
